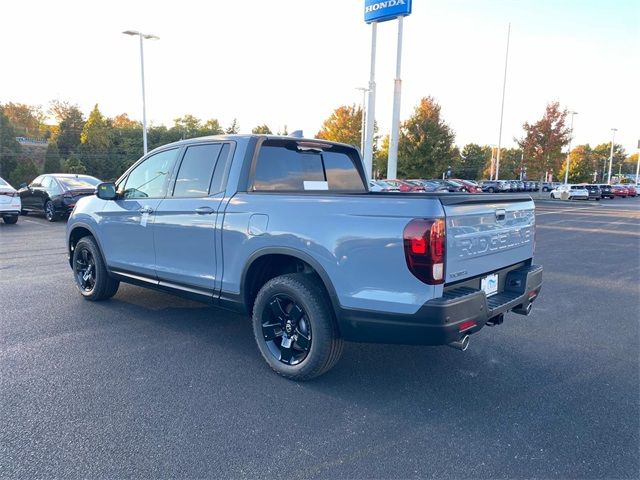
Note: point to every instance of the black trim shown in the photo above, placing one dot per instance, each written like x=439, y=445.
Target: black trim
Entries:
x=437, y=321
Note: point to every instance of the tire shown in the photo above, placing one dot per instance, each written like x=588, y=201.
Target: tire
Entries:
x=291, y=307
x=98, y=284
x=490, y=190
x=10, y=220
x=49, y=211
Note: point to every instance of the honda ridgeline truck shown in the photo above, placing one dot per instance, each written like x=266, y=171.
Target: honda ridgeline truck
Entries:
x=284, y=229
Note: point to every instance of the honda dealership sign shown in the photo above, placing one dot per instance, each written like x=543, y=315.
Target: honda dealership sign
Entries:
x=383, y=10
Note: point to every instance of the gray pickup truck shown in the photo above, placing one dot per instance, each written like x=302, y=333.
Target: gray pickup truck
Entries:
x=285, y=229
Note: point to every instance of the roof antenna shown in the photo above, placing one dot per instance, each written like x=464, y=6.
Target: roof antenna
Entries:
x=296, y=134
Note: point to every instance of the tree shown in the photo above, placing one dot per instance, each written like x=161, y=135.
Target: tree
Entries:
x=27, y=120
x=474, y=160
x=70, y=125
x=24, y=172
x=543, y=142
x=52, y=159
x=425, y=147
x=211, y=127
x=74, y=165
x=602, y=152
x=188, y=125
x=9, y=148
x=582, y=163
x=262, y=129
x=95, y=142
x=123, y=121
x=344, y=125
x=234, y=127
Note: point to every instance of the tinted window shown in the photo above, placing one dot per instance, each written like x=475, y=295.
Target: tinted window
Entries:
x=196, y=171
x=37, y=181
x=149, y=179
x=50, y=184
x=222, y=169
x=287, y=166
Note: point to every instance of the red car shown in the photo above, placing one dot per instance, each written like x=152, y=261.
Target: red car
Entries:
x=620, y=191
x=633, y=191
x=469, y=186
x=405, y=186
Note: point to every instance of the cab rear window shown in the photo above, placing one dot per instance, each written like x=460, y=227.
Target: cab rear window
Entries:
x=290, y=165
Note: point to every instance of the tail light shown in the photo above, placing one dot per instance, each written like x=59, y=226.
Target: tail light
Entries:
x=424, y=249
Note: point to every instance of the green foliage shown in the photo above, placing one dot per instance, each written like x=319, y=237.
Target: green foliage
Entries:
x=233, y=128
x=95, y=144
x=9, y=148
x=474, y=160
x=582, y=163
x=344, y=125
x=26, y=120
x=24, y=172
x=425, y=148
x=262, y=130
x=211, y=127
x=70, y=126
x=543, y=142
x=74, y=165
x=52, y=159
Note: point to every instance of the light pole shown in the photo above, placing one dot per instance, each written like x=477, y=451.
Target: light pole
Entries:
x=504, y=87
x=566, y=169
x=143, y=36
x=613, y=136
x=364, y=91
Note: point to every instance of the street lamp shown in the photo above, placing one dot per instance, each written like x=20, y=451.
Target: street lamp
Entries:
x=566, y=170
x=143, y=36
x=613, y=136
x=364, y=91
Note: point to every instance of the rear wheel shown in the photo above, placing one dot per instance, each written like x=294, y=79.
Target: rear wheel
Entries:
x=91, y=276
x=295, y=328
x=11, y=220
x=49, y=211
x=490, y=190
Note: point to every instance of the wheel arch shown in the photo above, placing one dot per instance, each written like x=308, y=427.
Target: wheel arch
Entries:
x=268, y=263
x=77, y=232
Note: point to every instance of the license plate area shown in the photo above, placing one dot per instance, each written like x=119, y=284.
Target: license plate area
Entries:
x=489, y=284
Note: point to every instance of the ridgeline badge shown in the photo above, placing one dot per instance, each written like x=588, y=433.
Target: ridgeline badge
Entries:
x=383, y=10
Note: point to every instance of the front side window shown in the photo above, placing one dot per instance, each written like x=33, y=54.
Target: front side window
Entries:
x=285, y=165
x=37, y=182
x=196, y=170
x=149, y=179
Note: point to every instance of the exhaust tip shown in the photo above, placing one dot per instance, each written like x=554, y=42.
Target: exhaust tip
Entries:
x=461, y=344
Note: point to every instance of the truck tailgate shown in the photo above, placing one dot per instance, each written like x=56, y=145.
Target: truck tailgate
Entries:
x=486, y=233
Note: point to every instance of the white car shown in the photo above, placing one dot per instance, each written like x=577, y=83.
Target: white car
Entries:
x=10, y=204
x=570, y=192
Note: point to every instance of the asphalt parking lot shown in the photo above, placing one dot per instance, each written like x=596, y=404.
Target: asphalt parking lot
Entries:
x=150, y=385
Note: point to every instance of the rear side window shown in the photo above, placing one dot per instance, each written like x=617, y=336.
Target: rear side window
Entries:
x=285, y=165
x=196, y=170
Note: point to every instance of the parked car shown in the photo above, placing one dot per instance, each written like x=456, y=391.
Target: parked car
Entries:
x=594, y=191
x=401, y=185
x=56, y=194
x=285, y=230
x=548, y=186
x=10, y=204
x=570, y=192
x=620, y=191
x=633, y=191
x=381, y=186
x=430, y=186
x=491, y=186
x=606, y=190
x=469, y=186
x=418, y=186
x=450, y=185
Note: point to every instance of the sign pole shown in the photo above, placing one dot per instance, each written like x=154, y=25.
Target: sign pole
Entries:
x=371, y=107
x=392, y=163
x=638, y=166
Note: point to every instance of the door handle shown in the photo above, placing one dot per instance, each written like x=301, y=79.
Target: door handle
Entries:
x=146, y=209
x=204, y=210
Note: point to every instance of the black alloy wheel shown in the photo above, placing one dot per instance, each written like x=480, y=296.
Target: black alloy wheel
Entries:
x=295, y=327
x=286, y=330
x=84, y=269
x=49, y=212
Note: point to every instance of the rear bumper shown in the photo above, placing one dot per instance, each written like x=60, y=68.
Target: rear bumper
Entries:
x=9, y=212
x=438, y=321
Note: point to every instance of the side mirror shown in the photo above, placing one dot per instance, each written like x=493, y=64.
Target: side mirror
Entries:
x=107, y=191
x=22, y=185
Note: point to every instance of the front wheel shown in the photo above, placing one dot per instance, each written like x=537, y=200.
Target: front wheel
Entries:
x=295, y=328
x=91, y=276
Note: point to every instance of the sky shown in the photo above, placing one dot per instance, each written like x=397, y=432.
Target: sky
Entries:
x=292, y=62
